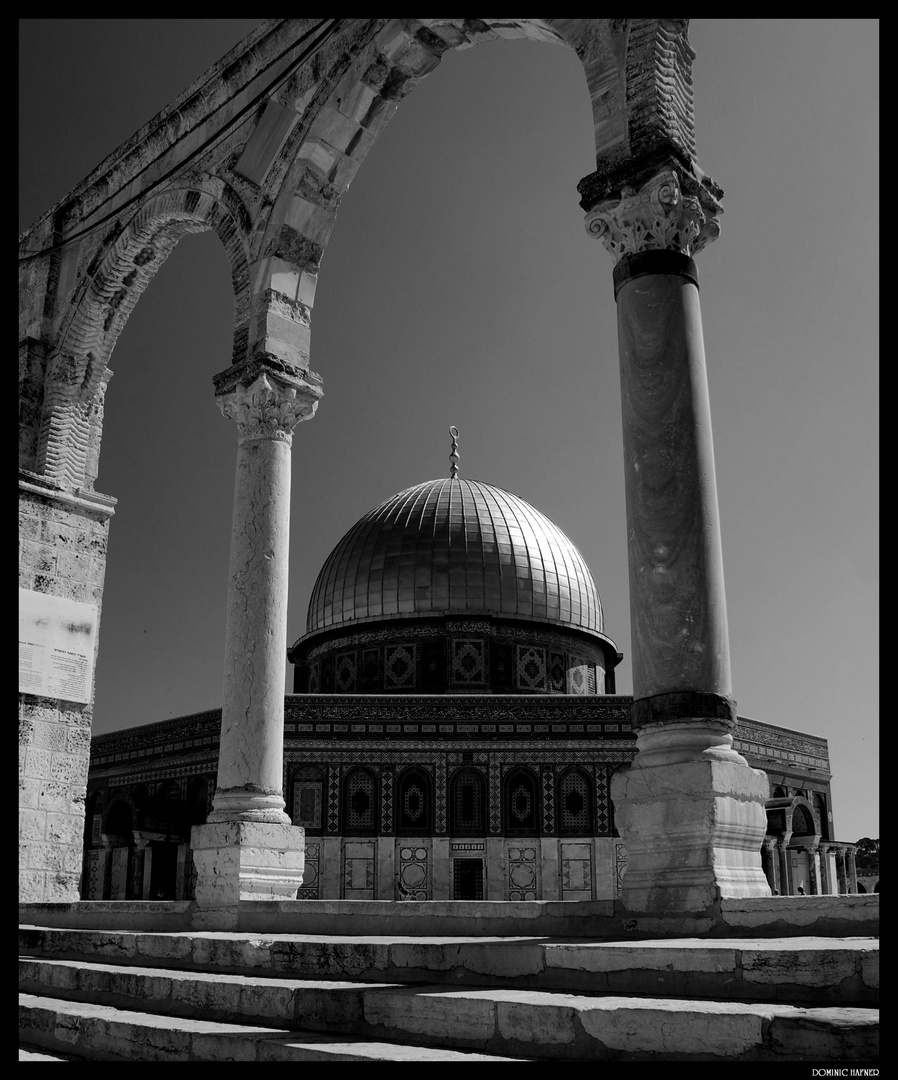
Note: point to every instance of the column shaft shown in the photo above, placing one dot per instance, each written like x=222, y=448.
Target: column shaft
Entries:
x=679, y=630
x=250, y=763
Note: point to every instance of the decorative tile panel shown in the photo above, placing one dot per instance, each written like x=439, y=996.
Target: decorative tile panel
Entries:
x=345, y=673
x=314, y=677
x=310, y=888
x=399, y=667
x=604, y=825
x=468, y=661
x=548, y=800
x=576, y=871
x=620, y=868
x=386, y=801
x=523, y=872
x=358, y=870
x=333, y=800
x=576, y=675
x=439, y=825
x=531, y=669
x=557, y=672
x=414, y=872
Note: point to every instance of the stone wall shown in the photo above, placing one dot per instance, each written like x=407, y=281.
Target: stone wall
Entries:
x=62, y=553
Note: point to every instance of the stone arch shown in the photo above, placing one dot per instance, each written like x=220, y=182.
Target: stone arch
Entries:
x=821, y=812
x=638, y=76
x=120, y=271
x=801, y=819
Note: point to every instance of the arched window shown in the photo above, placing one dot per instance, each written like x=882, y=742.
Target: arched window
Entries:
x=414, y=803
x=574, y=804
x=467, y=803
x=802, y=823
x=361, y=793
x=822, y=815
x=778, y=793
x=307, y=798
x=521, y=803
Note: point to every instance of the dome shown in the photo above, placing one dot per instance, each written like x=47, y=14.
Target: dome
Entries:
x=454, y=546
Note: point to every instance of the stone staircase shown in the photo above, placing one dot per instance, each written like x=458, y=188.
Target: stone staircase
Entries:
x=189, y=996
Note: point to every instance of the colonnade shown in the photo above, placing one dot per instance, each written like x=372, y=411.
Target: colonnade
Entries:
x=819, y=867
x=690, y=809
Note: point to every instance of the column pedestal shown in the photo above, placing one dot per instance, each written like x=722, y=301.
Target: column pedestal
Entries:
x=246, y=860
x=693, y=831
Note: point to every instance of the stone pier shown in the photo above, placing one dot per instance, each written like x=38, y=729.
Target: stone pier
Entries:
x=248, y=849
x=690, y=809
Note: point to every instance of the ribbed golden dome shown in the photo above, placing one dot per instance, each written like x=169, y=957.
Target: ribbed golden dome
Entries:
x=454, y=546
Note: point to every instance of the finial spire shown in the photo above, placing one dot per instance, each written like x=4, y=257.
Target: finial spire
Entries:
x=453, y=457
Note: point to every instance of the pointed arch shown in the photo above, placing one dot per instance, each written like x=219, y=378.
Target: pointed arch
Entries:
x=575, y=802
x=361, y=802
x=71, y=419
x=414, y=802
x=521, y=802
x=467, y=802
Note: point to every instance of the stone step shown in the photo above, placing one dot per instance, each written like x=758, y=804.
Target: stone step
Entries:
x=517, y=1023
x=802, y=971
x=104, y=1033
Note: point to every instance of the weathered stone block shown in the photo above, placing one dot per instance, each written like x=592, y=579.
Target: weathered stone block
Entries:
x=31, y=886
x=49, y=736
x=32, y=824
x=61, y=885
x=29, y=793
x=69, y=768
x=37, y=763
x=55, y=797
x=65, y=828
x=78, y=741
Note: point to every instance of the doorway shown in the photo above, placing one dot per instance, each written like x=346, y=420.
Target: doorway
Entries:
x=163, y=871
x=467, y=879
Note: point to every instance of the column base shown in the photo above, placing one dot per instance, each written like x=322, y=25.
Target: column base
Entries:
x=693, y=831
x=246, y=860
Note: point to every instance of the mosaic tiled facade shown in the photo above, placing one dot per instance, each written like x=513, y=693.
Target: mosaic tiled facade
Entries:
x=503, y=796
x=445, y=655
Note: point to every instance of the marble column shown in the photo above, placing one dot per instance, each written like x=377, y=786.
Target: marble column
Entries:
x=814, y=887
x=691, y=809
x=785, y=869
x=141, y=867
x=248, y=848
x=851, y=868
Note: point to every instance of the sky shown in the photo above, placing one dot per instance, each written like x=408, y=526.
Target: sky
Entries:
x=460, y=288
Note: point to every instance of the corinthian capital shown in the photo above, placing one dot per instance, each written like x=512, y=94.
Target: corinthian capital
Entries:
x=268, y=408
x=656, y=217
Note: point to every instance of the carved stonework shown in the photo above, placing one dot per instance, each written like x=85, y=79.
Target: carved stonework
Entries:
x=268, y=408
x=657, y=217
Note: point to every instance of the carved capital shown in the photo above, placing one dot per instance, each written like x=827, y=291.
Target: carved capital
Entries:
x=268, y=408
x=656, y=217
